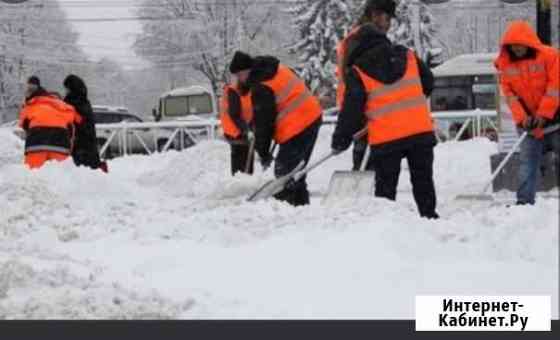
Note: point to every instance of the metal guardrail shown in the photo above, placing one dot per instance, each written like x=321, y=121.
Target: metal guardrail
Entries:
x=167, y=131
x=476, y=117
x=207, y=129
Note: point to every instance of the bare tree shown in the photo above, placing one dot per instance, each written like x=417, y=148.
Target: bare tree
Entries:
x=202, y=35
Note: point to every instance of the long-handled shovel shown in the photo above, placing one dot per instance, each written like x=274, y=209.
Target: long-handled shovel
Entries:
x=352, y=183
x=275, y=186
x=250, y=153
x=483, y=195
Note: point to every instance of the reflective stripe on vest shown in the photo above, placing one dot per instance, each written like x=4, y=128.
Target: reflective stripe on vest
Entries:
x=40, y=148
x=390, y=88
x=396, y=110
x=402, y=105
x=294, y=104
x=553, y=93
x=297, y=107
x=512, y=71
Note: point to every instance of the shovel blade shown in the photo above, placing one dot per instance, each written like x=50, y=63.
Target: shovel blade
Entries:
x=475, y=197
x=350, y=184
x=274, y=186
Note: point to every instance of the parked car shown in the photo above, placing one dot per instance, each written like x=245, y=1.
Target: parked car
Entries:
x=138, y=140
x=108, y=115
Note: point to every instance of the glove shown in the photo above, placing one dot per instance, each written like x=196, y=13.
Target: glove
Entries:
x=266, y=161
x=340, y=144
x=250, y=135
x=527, y=123
x=538, y=133
x=531, y=123
x=291, y=184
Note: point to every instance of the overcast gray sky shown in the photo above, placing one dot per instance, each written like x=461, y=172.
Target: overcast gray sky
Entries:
x=105, y=39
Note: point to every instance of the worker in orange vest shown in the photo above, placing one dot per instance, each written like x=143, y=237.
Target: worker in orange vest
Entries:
x=344, y=48
x=388, y=85
x=237, y=119
x=284, y=111
x=48, y=123
x=530, y=79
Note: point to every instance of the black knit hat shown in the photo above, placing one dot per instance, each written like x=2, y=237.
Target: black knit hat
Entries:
x=241, y=61
x=387, y=6
x=34, y=80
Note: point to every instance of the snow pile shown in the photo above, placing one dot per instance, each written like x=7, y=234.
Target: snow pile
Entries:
x=172, y=236
x=12, y=147
x=201, y=172
x=56, y=293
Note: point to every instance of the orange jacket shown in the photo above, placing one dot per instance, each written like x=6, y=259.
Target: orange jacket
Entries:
x=399, y=110
x=49, y=124
x=228, y=124
x=48, y=112
x=296, y=106
x=535, y=81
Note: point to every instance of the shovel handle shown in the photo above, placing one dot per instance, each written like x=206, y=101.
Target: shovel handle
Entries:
x=313, y=166
x=548, y=130
x=365, y=161
x=505, y=161
x=250, y=154
x=362, y=133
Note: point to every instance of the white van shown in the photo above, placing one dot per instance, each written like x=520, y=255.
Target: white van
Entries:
x=194, y=103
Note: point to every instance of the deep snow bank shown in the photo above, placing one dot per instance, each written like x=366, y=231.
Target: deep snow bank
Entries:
x=173, y=236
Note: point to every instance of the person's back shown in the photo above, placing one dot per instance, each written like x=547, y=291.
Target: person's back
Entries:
x=48, y=123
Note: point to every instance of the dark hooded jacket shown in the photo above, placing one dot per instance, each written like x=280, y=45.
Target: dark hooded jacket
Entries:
x=264, y=102
x=375, y=55
x=85, y=151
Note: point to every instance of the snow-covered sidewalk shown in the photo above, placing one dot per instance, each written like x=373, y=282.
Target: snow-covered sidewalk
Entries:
x=171, y=236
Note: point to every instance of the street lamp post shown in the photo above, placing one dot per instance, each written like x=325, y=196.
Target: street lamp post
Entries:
x=544, y=21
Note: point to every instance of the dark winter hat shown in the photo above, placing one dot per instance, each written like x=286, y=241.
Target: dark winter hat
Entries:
x=387, y=6
x=240, y=62
x=34, y=80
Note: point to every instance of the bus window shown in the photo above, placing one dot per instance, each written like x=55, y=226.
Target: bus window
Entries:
x=484, y=96
x=451, y=99
x=464, y=93
x=176, y=106
x=200, y=104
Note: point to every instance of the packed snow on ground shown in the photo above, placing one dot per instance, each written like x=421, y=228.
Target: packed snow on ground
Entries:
x=172, y=236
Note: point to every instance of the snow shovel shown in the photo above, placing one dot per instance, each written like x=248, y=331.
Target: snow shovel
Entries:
x=275, y=186
x=251, y=153
x=483, y=196
x=352, y=183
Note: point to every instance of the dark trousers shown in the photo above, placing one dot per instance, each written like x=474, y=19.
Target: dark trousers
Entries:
x=239, y=155
x=291, y=154
x=420, y=159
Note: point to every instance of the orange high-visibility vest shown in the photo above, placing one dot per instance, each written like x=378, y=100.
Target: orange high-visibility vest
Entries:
x=340, y=54
x=397, y=110
x=297, y=107
x=228, y=125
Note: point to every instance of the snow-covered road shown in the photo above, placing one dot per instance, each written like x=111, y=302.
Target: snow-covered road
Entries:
x=171, y=236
